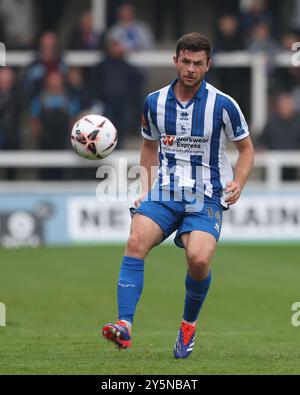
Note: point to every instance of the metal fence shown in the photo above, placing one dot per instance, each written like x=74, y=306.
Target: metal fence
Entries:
x=270, y=164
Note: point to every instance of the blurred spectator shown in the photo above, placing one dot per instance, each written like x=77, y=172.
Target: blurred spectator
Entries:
x=53, y=113
x=132, y=33
x=17, y=23
x=254, y=12
x=76, y=87
x=261, y=40
x=282, y=131
x=111, y=11
x=228, y=34
x=9, y=110
x=162, y=16
x=288, y=39
x=285, y=78
x=117, y=87
x=296, y=97
x=295, y=23
x=9, y=115
x=84, y=37
x=47, y=61
x=232, y=80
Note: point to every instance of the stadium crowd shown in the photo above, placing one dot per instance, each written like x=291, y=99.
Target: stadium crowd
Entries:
x=39, y=103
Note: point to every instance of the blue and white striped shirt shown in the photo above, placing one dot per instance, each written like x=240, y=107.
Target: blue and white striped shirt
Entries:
x=194, y=136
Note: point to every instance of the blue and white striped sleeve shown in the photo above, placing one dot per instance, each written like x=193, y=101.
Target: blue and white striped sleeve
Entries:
x=149, y=130
x=236, y=127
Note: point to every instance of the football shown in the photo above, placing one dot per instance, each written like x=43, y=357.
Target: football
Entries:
x=94, y=137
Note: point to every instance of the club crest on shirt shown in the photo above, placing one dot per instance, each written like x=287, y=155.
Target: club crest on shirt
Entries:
x=183, y=129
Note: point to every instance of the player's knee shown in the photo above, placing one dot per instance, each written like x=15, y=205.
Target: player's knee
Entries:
x=199, y=265
x=135, y=246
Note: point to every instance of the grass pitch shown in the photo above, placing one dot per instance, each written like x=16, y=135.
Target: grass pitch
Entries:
x=57, y=300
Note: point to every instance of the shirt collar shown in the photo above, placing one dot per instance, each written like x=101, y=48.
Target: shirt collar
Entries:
x=198, y=95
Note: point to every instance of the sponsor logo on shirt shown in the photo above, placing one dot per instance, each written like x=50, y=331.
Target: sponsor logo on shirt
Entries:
x=187, y=144
x=168, y=140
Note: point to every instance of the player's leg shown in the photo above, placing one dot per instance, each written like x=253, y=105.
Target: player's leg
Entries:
x=144, y=235
x=199, y=247
x=154, y=221
x=198, y=233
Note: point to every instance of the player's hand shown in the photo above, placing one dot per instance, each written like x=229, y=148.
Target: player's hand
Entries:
x=139, y=200
x=233, y=191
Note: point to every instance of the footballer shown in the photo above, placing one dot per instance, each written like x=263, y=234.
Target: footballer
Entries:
x=185, y=129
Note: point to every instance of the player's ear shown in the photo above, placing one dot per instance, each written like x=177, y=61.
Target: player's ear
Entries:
x=175, y=59
x=208, y=65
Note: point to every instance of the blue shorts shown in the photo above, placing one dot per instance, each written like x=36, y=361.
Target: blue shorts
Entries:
x=173, y=215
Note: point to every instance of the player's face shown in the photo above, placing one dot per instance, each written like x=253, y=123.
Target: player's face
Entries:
x=191, y=67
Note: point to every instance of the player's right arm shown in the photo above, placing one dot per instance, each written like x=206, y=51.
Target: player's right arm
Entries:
x=149, y=154
x=149, y=163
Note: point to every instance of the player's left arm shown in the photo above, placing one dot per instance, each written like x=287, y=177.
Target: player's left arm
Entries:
x=243, y=168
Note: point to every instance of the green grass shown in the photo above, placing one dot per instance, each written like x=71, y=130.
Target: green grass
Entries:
x=57, y=300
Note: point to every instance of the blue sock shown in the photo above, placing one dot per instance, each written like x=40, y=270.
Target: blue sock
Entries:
x=130, y=286
x=196, y=292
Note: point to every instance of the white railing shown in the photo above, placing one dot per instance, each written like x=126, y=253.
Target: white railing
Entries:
x=272, y=162
x=163, y=58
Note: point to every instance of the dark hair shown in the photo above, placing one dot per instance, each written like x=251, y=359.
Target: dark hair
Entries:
x=194, y=42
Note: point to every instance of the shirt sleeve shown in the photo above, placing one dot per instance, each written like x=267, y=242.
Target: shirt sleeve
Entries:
x=236, y=127
x=149, y=130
